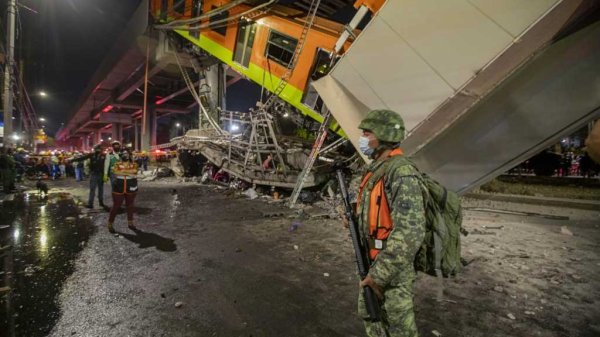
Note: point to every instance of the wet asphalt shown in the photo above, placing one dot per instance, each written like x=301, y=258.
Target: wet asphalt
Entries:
x=42, y=237
x=194, y=267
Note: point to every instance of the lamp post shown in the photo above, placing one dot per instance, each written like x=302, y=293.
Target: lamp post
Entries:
x=8, y=70
x=178, y=126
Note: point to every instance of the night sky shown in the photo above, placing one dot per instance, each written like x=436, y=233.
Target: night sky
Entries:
x=62, y=46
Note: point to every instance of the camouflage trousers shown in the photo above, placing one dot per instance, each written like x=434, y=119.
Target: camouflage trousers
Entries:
x=397, y=309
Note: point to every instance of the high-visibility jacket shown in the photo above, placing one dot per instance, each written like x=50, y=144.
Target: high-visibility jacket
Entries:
x=379, y=214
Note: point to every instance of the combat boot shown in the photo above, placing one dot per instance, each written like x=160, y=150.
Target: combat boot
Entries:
x=110, y=227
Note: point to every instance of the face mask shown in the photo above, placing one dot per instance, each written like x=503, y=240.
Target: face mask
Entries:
x=363, y=145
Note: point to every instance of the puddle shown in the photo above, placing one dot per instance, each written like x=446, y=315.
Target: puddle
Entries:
x=45, y=236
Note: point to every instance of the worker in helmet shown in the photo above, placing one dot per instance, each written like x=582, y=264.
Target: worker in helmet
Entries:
x=124, y=188
x=395, y=232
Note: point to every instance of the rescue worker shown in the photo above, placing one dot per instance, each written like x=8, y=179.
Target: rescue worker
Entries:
x=124, y=188
x=110, y=160
x=145, y=160
x=391, y=216
x=96, y=175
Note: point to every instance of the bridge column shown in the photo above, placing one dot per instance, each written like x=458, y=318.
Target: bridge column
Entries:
x=214, y=81
x=149, y=129
x=117, y=132
x=136, y=136
x=97, y=137
x=85, y=146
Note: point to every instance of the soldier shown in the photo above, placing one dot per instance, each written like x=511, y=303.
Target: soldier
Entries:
x=391, y=216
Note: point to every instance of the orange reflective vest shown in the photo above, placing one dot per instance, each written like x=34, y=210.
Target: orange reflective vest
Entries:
x=379, y=217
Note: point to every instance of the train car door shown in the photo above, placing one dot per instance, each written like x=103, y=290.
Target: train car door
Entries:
x=244, y=42
x=320, y=68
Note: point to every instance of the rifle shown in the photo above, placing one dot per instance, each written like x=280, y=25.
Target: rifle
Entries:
x=360, y=251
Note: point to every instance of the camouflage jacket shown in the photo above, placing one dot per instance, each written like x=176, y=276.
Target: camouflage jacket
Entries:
x=404, y=191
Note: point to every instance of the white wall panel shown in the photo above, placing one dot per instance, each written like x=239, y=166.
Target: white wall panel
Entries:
x=391, y=70
x=514, y=15
x=351, y=78
x=455, y=38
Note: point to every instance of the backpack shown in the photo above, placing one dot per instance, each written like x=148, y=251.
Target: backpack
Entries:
x=439, y=254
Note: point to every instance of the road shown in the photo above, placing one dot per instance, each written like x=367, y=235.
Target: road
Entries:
x=208, y=262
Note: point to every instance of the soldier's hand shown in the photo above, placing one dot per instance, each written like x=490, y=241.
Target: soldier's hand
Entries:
x=342, y=212
x=369, y=282
x=345, y=221
x=105, y=178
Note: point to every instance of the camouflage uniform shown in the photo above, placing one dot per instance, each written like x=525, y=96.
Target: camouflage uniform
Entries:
x=393, y=269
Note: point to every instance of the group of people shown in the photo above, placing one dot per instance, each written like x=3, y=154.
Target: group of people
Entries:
x=45, y=165
x=577, y=164
x=118, y=167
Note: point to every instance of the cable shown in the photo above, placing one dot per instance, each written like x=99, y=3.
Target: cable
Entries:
x=189, y=83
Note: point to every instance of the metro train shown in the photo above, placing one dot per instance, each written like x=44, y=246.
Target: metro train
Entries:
x=260, y=43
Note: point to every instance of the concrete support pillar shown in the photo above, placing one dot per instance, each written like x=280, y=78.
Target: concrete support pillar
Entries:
x=97, y=137
x=149, y=131
x=136, y=135
x=213, y=87
x=85, y=143
x=154, y=122
x=117, y=131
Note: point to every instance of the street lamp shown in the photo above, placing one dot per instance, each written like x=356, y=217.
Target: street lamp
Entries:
x=43, y=93
x=42, y=119
x=178, y=125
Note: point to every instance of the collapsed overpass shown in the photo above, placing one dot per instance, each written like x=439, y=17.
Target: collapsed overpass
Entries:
x=481, y=85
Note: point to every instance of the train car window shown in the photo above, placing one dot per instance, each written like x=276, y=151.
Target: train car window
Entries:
x=179, y=7
x=320, y=68
x=220, y=28
x=280, y=48
x=245, y=40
